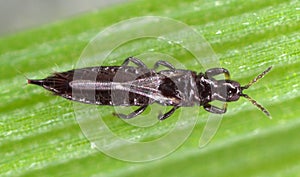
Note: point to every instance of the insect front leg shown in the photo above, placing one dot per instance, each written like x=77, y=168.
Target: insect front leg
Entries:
x=164, y=63
x=136, y=61
x=216, y=71
x=135, y=113
x=168, y=114
x=214, y=109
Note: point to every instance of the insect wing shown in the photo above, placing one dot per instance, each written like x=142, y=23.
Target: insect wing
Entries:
x=120, y=86
x=147, y=87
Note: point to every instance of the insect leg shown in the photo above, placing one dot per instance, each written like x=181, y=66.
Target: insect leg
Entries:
x=137, y=112
x=216, y=71
x=164, y=63
x=168, y=114
x=136, y=61
x=214, y=109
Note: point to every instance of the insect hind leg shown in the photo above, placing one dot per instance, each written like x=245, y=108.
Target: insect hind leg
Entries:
x=135, y=113
x=164, y=63
x=168, y=114
x=136, y=61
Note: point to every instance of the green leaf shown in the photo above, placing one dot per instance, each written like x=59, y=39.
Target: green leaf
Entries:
x=39, y=135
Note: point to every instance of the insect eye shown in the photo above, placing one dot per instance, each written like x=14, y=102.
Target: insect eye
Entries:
x=233, y=95
x=230, y=92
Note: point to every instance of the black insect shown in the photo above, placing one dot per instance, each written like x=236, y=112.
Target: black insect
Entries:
x=140, y=86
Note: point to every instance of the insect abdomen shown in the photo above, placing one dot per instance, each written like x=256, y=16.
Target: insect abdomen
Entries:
x=94, y=85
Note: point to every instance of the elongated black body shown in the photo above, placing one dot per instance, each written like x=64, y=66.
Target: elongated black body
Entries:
x=140, y=86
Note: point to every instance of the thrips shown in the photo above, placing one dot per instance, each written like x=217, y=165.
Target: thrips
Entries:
x=140, y=86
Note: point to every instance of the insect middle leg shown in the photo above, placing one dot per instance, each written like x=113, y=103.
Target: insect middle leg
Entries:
x=214, y=109
x=136, y=61
x=135, y=113
x=168, y=114
x=163, y=63
x=216, y=71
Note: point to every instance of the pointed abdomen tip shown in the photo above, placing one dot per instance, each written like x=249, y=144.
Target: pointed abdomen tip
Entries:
x=35, y=82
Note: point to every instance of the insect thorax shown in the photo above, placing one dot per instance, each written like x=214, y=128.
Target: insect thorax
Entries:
x=204, y=88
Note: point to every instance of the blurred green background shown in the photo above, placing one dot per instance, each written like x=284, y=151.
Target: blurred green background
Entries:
x=39, y=135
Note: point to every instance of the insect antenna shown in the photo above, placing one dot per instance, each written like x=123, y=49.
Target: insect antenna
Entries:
x=257, y=78
x=259, y=106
